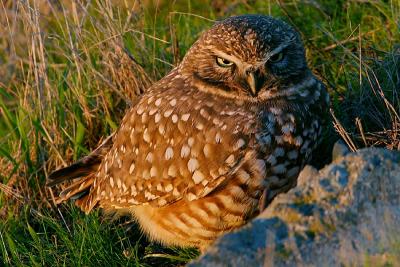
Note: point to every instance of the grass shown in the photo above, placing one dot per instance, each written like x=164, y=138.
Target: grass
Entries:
x=72, y=239
x=69, y=69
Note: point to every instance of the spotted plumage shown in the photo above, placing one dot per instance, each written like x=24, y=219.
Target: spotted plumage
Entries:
x=208, y=144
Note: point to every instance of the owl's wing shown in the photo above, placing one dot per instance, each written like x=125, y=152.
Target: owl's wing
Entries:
x=167, y=150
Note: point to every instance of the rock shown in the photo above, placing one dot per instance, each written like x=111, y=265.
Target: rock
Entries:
x=339, y=150
x=346, y=214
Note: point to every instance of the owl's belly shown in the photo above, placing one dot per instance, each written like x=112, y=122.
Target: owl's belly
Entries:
x=197, y=223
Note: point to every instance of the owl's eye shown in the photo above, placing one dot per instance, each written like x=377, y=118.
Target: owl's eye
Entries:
x=276, y=58
x=222, y=62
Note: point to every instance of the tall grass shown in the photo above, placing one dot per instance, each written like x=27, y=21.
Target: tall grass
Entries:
x=69, y=69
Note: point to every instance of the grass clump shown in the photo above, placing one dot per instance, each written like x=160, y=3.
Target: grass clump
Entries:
x=71, y=238
x=69, y=69
x=372, y=110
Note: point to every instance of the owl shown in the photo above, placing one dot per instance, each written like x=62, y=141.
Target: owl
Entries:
x=208, y=146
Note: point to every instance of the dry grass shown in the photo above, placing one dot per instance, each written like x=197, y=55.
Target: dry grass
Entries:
x=60, y=79
x=372, y=111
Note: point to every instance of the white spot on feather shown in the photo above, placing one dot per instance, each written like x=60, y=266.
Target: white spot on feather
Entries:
x=169, y=153
x=272, y=160
x=168, y=113
x=172, y=171
x=149, y=195
x=162, y=202
x=230, y=160
x=159, y=187
x=176, y=193
x=298, y=140
x=185, y=117
x=287, y=128
x=276, y=111
x=191, y=196
x=279, y=152
x=161, y=129
x=190, y=141
x=157, y=118
x=278, y=169
x=149, y=157
x=216, y=121
x=305, y=93
x=133, y=201
x=172, y=102
x=185, y=151
x=200, y=126
x=197, y=177
x=152, y=111
x=153, y=171
x=146, y=136
x=207, y=150
x=174, y=118
x=193, y=164
x=168, y=188
x=218, y=137
x=240, y=143
x=140, y=110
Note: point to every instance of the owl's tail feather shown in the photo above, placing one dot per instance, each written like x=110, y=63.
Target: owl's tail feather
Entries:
x=85, y=170
x=77, y=190
x=81, y=168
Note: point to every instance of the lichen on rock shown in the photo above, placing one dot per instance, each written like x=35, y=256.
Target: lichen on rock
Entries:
x=348, y=213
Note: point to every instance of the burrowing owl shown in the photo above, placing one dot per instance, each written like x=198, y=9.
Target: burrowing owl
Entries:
x=227, y=129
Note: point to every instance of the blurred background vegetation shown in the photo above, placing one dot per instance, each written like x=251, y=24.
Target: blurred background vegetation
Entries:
x=69, y=69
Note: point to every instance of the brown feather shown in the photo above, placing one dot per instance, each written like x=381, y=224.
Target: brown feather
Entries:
x=77, y=190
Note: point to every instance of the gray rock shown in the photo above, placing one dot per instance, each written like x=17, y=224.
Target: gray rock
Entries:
x=346, y=214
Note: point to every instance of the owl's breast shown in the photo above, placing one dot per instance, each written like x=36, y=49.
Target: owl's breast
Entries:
x=286, y=137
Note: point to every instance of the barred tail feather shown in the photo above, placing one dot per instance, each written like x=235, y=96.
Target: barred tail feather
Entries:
x=78, y=169
x=76, y=190
x=85, y=170
x=79, y=191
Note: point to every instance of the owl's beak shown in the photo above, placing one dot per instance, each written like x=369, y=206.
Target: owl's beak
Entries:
x=251, y=81
x=254, y=81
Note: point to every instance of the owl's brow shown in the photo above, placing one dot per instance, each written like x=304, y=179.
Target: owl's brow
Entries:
x=231, y=58
x=276, y=51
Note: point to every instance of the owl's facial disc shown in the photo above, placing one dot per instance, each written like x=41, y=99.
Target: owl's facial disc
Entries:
x=250, y=57
x=251, y=78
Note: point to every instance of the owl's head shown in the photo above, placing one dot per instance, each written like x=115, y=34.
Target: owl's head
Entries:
x=250, y=56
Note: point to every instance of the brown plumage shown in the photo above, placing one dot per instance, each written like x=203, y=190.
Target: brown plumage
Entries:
x=235, y=121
